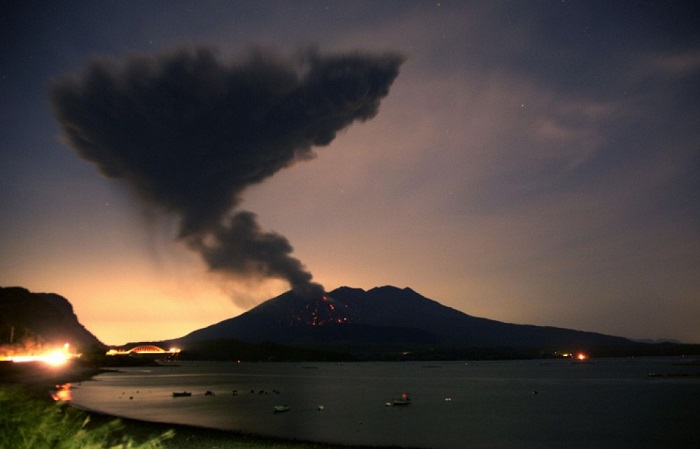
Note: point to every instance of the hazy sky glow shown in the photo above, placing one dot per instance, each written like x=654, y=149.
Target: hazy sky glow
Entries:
x=533, y=162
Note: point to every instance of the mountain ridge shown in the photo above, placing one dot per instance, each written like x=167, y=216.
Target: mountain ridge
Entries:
x=383, y=323
x=387, y=316
x=41, y=318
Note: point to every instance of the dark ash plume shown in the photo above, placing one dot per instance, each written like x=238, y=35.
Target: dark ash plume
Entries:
x=188, y=132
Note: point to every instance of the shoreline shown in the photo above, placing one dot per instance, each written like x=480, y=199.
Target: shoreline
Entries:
x=194, y=437
x=39, y=383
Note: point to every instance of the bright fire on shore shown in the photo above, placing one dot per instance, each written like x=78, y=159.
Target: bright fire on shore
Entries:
x=52, y=357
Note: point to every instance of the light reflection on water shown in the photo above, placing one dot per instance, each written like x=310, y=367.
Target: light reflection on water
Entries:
x=512, y=404
x=62, y=393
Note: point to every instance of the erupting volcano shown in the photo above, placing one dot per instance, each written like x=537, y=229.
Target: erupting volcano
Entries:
x=321, y=312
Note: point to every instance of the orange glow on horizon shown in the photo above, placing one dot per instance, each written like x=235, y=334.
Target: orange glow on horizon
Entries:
x=581, y=356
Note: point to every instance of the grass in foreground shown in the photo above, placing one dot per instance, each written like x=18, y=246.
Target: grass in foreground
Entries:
x=29, y=423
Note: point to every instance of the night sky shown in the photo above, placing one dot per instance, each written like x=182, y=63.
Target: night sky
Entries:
x=168, y=165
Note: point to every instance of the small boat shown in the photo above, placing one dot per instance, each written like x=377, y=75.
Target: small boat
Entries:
x=402, y=400
x=280, y=408
x=181, y=394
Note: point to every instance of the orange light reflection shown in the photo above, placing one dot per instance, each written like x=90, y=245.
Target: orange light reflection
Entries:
x=62, y=393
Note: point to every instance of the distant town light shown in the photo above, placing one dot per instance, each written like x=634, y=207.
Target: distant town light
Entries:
x=144, y=350
x=56, y=357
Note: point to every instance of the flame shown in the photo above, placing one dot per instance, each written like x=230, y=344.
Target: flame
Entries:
x=581, y=356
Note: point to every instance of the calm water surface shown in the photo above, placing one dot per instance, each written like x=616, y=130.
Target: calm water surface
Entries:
x=608, y=403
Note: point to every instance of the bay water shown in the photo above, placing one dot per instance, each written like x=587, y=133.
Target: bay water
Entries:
x=605, y=403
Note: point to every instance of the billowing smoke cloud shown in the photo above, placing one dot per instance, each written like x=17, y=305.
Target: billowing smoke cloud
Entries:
x=188, y=132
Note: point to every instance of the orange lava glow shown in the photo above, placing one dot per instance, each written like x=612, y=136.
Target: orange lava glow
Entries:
x=581, y=356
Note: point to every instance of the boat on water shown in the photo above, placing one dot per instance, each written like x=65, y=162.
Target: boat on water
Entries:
x=280, y=408
x=404, y=399
x=181, y=394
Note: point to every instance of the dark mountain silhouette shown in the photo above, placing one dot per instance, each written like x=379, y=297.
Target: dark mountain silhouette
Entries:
x=42, y=318
x=382, y=323
x=388, y=318
x=236, y=350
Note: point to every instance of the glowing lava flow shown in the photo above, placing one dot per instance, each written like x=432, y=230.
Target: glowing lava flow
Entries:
x=321, y=312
